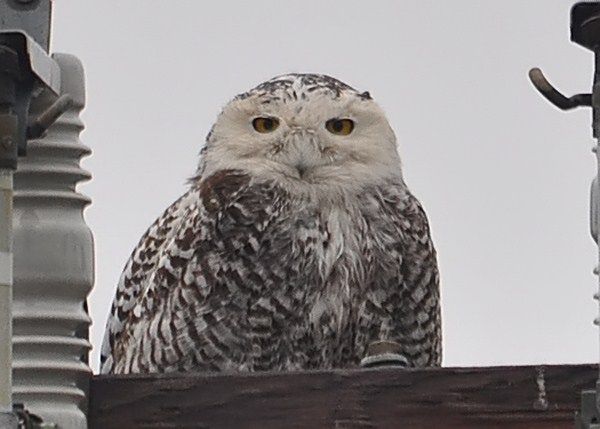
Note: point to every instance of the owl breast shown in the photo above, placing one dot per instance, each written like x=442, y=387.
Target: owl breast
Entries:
x=253, y=276
x=319, y=260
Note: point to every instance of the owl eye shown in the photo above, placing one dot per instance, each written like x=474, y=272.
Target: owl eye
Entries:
x=265, y=125
x=340, y=127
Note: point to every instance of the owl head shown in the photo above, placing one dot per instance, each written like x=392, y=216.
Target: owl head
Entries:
x=304, y=130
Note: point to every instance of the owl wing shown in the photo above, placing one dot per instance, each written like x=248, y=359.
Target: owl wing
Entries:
x=402, y=304
x=421, y=315
x=134, y=278
x=208, y=262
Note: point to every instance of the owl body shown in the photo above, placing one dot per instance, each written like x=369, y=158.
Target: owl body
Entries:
x=292, y=253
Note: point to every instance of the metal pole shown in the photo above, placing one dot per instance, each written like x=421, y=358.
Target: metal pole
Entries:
x=26, y=72
x=595, y=219
x=585, y=31
x=7, y=417
x=9, y=125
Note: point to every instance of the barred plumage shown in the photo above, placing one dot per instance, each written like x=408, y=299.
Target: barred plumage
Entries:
x=291, y=250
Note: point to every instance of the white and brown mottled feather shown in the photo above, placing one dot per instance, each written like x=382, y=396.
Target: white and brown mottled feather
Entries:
x=260, y=266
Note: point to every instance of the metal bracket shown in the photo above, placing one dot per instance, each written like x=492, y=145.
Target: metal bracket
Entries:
x=588, y=416
x=25, y=69
x=585, y=24
x=29, y=16
x=36, y=63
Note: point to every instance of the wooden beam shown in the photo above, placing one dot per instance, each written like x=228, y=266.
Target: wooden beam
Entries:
x=496, y=397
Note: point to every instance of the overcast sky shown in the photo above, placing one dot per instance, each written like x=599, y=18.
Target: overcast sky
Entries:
x=503, y=175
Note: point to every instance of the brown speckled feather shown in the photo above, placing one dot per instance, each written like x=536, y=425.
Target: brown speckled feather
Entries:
x=260, y=266
x=231, y=286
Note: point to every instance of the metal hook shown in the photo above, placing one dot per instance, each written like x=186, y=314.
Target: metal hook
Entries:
x=554, y=96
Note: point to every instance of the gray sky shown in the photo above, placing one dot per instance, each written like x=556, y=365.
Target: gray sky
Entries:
x=503, y=175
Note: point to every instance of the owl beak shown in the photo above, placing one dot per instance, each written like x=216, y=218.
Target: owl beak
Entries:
x=301, y=167
x=300, y=151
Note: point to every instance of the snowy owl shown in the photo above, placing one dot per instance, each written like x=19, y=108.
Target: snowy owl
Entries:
x=297, y=245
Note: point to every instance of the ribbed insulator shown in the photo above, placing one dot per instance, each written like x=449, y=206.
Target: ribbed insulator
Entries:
x=53, y=267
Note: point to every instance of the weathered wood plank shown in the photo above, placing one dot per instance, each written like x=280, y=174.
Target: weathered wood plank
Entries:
x=508, y=397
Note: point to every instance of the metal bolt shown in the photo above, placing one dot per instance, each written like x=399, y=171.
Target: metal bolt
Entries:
x=6, y=142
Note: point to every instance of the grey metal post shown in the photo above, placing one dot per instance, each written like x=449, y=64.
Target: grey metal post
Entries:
x=7, y=418
x=52, y=244
x=585, y=31
x=10, y=106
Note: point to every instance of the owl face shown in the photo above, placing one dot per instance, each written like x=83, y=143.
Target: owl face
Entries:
x=304, y=129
